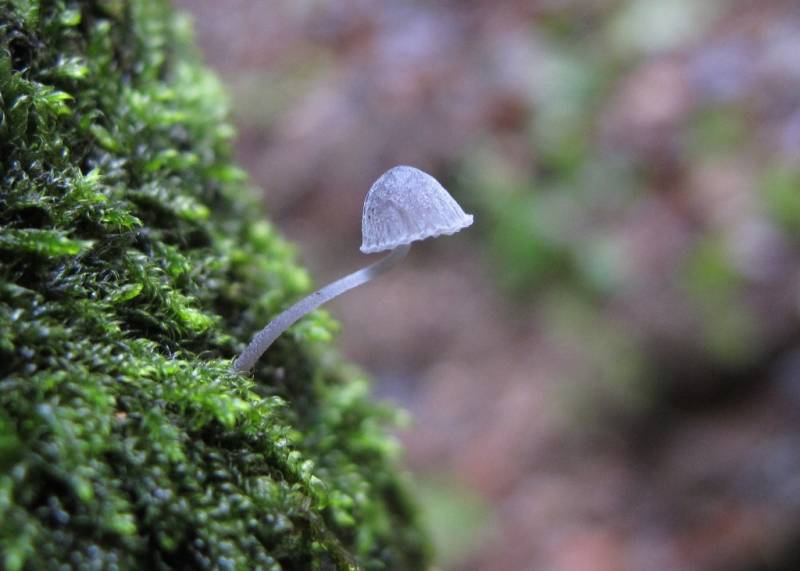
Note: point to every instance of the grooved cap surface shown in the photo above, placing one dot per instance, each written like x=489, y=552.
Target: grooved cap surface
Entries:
x=405, y=205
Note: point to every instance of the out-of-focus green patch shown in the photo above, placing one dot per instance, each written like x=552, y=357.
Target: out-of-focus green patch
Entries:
x=514, y=223
x=523, y=256
x=567, y=87
x=455, y=516
x=535, y=232
x=781, y=189
x=660, y=25
x=611, y=377
x=717, y=129
x=726, y=326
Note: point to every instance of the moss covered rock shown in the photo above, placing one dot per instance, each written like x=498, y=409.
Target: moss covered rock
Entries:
x=134, y=265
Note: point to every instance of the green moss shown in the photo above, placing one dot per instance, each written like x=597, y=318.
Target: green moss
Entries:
x=133, y=267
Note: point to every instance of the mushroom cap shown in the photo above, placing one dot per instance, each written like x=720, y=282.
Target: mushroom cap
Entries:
x=405, y=205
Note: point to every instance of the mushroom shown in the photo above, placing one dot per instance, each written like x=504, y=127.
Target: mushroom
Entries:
x=403, y=206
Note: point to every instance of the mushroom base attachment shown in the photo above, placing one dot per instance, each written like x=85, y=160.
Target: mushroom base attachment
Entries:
x=264, y=338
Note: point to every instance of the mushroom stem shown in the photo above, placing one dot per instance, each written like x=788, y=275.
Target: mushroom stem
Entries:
x=264, y=338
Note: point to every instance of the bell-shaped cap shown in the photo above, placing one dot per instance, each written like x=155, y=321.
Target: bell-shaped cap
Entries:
x=405, y=205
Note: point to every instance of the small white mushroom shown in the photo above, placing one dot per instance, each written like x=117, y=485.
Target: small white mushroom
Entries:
x=403, y=206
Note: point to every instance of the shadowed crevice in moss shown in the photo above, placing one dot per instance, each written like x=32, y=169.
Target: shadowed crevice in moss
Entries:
x=133, y=266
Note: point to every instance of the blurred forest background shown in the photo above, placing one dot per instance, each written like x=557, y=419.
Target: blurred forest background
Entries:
x=604, y=372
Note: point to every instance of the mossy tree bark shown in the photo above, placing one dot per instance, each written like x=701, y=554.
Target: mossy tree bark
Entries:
x=133, y=267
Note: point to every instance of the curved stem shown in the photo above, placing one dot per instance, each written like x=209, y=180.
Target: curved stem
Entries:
x=264, y=338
